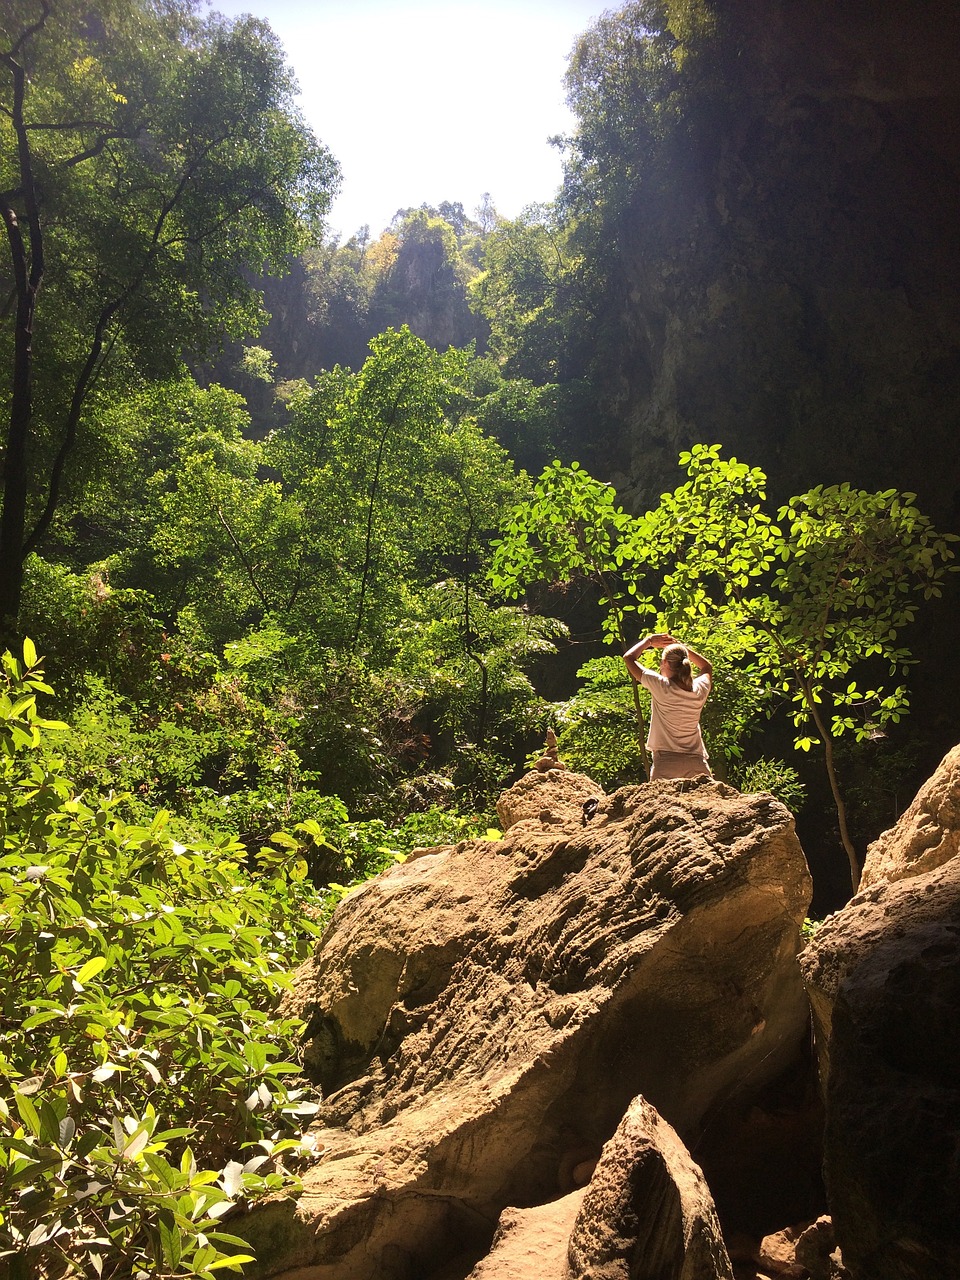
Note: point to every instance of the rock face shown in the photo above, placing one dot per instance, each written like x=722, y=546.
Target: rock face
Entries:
x=802, y=266
x=481, y=1018
x=883, y=977
x=927, y=835
x=531, y=1244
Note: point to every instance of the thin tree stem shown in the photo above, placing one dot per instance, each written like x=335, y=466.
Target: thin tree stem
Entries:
x=845, y=839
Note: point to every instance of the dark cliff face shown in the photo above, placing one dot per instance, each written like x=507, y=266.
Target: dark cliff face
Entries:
x=794, y=292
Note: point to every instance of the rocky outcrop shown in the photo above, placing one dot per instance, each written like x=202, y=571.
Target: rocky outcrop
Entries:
x=481, y=1018
x=883, y=977
x=816, y=1251
x=927, y=835
x=531, y=1244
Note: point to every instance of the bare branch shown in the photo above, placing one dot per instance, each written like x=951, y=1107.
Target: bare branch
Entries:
x=244, y=561
x=27, y=34
x=95, y=150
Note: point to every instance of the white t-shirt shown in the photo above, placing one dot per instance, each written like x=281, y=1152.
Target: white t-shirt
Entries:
x=675, y=713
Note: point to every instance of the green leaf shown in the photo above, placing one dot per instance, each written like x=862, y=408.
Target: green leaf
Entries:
x=90, y=970
x=171, y=1239
x=28, y=1113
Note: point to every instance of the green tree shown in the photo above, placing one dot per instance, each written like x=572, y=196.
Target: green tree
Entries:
x=817, y=602
x=650, y=99
x=822, y=597
x=394, y=478
x=148, y=159
x=525, y=293
x=571, y=527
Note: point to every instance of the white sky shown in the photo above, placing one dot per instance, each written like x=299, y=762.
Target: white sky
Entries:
x=422, y=101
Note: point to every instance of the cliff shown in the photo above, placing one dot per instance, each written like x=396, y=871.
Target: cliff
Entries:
x=792, y=287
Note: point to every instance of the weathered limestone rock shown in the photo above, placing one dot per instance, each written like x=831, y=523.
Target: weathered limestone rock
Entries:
x=802, y=253
x=480, y=1019
x=551, y=755
x=647, y=1213
x=531, y=1244
x=546, y=798
x=777, y=1254
x=884, y=982
x=927, y=835
x=816, y=1251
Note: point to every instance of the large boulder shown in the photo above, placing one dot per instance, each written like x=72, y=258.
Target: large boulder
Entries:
x=532, y=1244
x=647, y=1214
x=928, y=834
x=479, y=1019
x=884, y=982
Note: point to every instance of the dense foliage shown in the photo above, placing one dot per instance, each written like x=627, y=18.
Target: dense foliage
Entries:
x=798, y=606
x=147, y=158
x=144, y=1064
x=146, y=1069
x=302, y=604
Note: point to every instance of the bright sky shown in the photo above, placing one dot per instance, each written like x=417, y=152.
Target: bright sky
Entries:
x=430, y=100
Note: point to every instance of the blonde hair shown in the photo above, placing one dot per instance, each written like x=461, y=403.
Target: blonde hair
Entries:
x=681, y=672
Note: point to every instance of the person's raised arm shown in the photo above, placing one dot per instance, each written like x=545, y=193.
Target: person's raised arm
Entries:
x=698, y=660
x=657, y=641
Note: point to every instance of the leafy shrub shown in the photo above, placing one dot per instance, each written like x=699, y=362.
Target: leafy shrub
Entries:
x=144, y=1066
x=598, y=726
x=775, y=776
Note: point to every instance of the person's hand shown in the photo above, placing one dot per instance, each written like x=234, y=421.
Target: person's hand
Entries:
x=659, y=641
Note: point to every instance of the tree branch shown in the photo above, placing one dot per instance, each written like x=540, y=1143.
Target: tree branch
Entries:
x=95, y=356
x=243, y=560
x=27, y=33
x=81, y=389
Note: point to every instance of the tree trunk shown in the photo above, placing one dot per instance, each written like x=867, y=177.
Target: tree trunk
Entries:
x=28, y=276
x=371, y=509
x=835, y=788
x=13, y=517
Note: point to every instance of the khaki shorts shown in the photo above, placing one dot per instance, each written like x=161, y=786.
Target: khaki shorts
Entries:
x=678, y=764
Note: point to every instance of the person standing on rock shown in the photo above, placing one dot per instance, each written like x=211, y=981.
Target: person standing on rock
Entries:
x=676, y=700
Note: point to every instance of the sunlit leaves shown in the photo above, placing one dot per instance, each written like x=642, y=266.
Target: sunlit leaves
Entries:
x=148, y=973
x=570, y=527
x=153, y=160
x=830, y=586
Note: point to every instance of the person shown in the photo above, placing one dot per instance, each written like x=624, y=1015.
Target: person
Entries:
x=676, y=700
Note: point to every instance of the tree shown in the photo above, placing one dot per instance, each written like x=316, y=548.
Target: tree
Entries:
x=149, y=158
x=570, y=527
x=486, y=214
x=525, y=292
x=818, y=601
x=393, y=474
